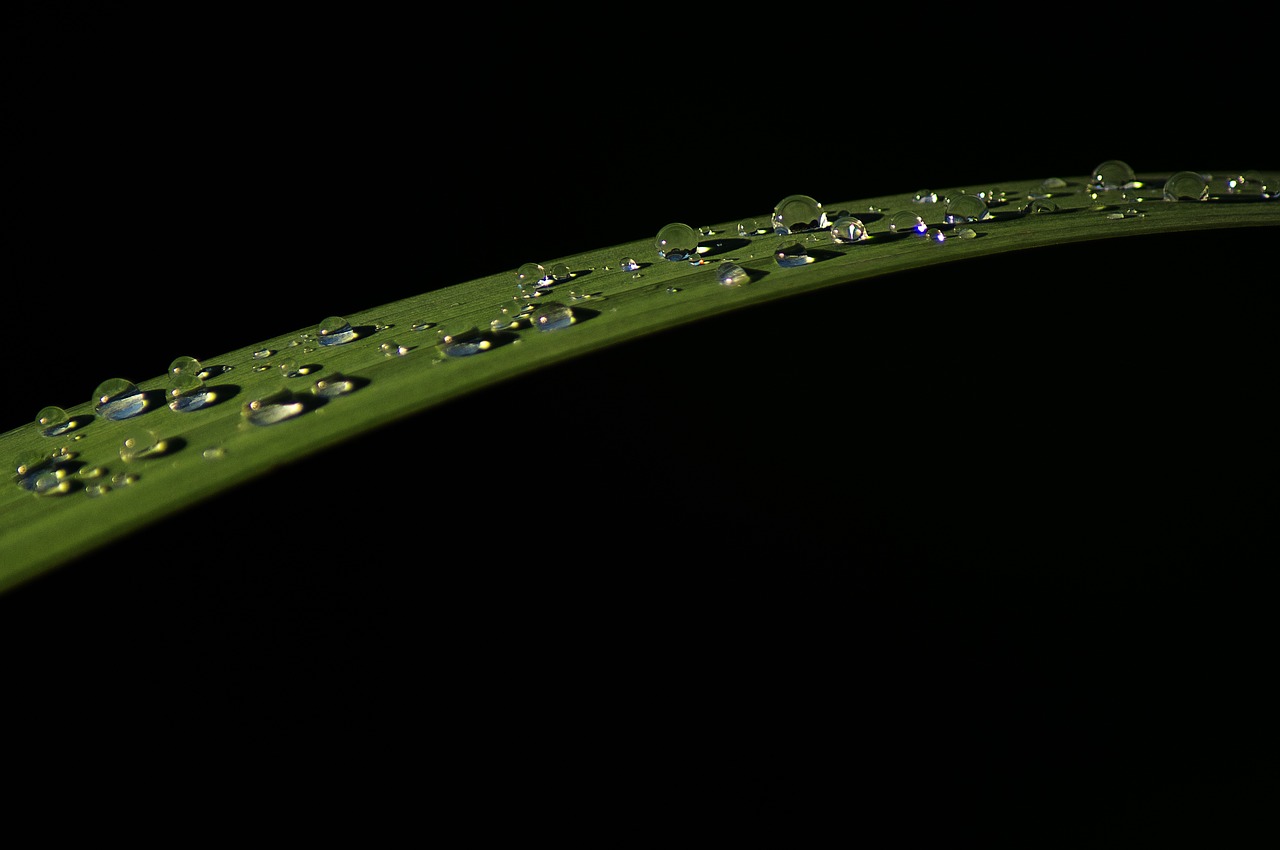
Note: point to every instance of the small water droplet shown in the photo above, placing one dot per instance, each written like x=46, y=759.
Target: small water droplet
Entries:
x=124, y=479
x=418, y=327
x=393, y=349
x=184, y=363
x=97, y=489
x=261, y=367
x=925, y=196
x=53, y=421
x=749, y=227
x=907, y=222
x=461, y=340
x=561, y=272
x=848, y=229
x=289, y=367
x=1250, y=182
x=677, y=241
x=274, y=407
x=937, y=235
x=333, y=385
x=797, y=214
x=117, y=398
x=628, y=264
x=1112, y=175
x=967, y=233
x=1050, y=183
x=552, y=316
x=966, y=208
x=531, y=275
x=214, y=453
x=732, y=274
x=1041, y=206
x=263, y=353
x=1186, y=186
x=791, y=254
x=137, y=444
x=335, y=330
x=187, y=392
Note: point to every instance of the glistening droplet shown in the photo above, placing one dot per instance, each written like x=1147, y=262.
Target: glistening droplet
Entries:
x=184, y=363
x=137, y=444
x=677, y=241
x=1111, y=175
x=117, y=398
x=1186, y=186
x=187, y=392
x=272, y=408
x=848, y=229
x=798, y=214
x=335, y=330
x=732, y=274
x=791, y=254
x=332, y=386
x=461, y=340
x=53, y=421
x=962, y=209
x=907, y=222
x=552, y=316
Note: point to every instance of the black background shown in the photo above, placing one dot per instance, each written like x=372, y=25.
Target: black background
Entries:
x=999, y=567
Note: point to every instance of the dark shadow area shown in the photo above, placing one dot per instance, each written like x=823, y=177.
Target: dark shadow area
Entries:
x=716, y=247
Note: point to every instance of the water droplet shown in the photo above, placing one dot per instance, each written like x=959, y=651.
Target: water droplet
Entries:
x=187, y=392
x=335, y=330
x=461, y=340
x=418, y=327
x=848, y=229
x=925, y=196
x=289, y=367
x=214, y=453
x=732, y=274
x=1112, y=175
x=552, y=316
x=137, y=444
x=1041, y=206
x=677, y=242
x=561, y=271
x=185, y=364
x=334, y=385
x=749, y=227
x=117, y=398
x=262, y=353
x=798, y=214
x=274, y=407
x=1248, y=183
x=627, y=264
x=937, y=235
x=50, y=482
x=966, y=208
x=790, y=254
x=1050, y=183
x=1186, y=186
x=531, y=275
x=124, y=479
x=393, y=349
x=967, y=233
x=905, y=222
x=53, y=421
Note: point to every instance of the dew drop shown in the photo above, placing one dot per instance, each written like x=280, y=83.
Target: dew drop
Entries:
x=1250, y=182
x=332, y=386
x=907, y=222
x=461, y=340
x=1041, y=206
x=262, y=353
x=966, y=208
x=53, y=421
x=798, y=214
x=937, y=235
x=848, y=229
x=185, y=364
x=289, y=367
x=925, y=196
x=335, y=330
x=214, y=453
x=561, y=272
x=732, y=274
x=272, y=408
x=1112, y=175
x=123, y=479
x=791, y=254
x=418, y=327
x=1048, y=184
x=967, y=233
x=552, y=316
x=393, y=349
x=531, y=275
x=1186, y=186
x=628, y=264
x=138, y=444
x=117, y=398
x=187, y=392
x=677, y=241
x=749, y=227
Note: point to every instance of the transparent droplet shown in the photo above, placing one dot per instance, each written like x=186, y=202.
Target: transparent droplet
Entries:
x=798, y=214
x=1048, y=184
x=137, y=444
x=531, y=275
x=289, y=367
x=53, y=421
x=272, y=408
x=461, y=340
x=1111, y=175
x=561, y=271
x=123, y=479
x=185, y=364
x=335, y=330
x=966, y=208
x=848, y=229
x=732, y=274
x=749, y=227
x=627, y=264
x=937, y=235
x=905, y=221
x=393, y=349
x=262, y=353
x=333, y=385
x=925, y=196
x=1041, y=205
x=1186, y=186
x=966, y=233
x=677, y=242
x=187, y=392
x=1248, y=183
x=117, y=398
x=214, y=453
x=790, y=254
x=418, y=327
x=552, y=316
x=49, y=482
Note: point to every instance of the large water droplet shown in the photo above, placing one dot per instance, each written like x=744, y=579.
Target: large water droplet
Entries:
x=963, y=209
x=1111, y=175
x=53, y=421
x=117, y=398
x=461, y=340
x=750, y=227
x=798, y=214
x=137, y=444
x=791, y=254
x=185, y=363
x=274, y=407
x=907, y=222
x=732, y=274
x=335, y=330
x=1186, y=186
x=333, y=385
x=1248, y=183
x=848, y=229
x=561, y=272
x=531, y=275
x=552, y=316
x=677, y=241
x=925, y=196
